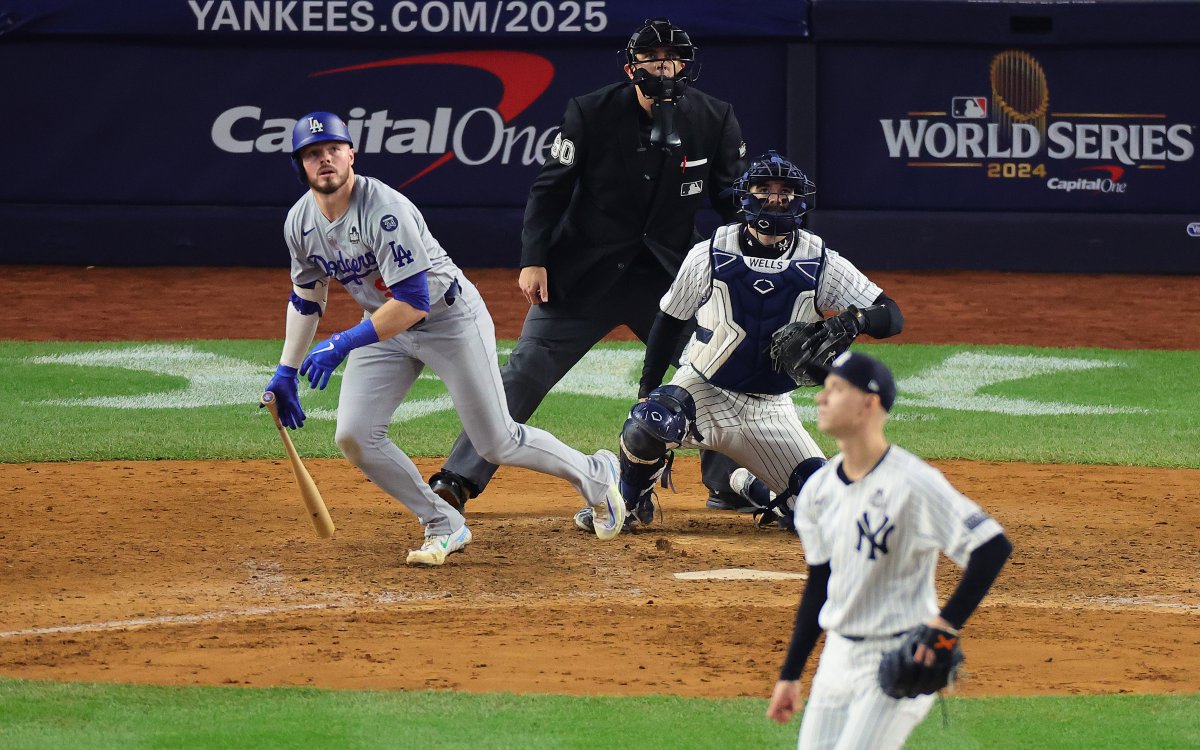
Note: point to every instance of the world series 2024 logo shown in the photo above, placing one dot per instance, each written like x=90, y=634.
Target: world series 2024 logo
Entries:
x=1012, y=133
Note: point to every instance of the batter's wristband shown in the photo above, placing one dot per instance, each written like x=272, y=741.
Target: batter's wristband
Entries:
x=360, y=335
x=285, y=371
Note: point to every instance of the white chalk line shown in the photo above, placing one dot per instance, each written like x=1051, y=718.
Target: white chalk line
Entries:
x=137, y=622
x=1096, y=603
x=386, y=598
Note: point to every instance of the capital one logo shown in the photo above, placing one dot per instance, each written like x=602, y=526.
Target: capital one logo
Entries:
x=475, y=136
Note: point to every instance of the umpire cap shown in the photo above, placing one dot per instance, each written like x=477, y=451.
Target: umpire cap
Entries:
x=863, y=372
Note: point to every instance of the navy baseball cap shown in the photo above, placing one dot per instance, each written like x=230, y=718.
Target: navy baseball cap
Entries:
x=863, y=372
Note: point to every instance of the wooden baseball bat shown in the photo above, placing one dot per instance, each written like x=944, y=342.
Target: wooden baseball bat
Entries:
x=308, y=488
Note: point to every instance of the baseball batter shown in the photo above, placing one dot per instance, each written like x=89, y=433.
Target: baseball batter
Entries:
x=745, y=283
x=873, y=522
x=420, y=310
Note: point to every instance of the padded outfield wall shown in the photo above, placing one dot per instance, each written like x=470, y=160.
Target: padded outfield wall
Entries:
x=154, y=131
x=1030, y=136
x=1004, y=135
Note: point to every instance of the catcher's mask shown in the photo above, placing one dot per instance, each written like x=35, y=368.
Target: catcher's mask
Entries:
x=780, y=218
x=655, y=34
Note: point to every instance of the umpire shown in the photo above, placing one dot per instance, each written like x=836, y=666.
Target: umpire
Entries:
x=608, y=222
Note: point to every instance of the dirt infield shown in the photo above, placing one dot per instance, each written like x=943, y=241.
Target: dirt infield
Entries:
x=207, y=572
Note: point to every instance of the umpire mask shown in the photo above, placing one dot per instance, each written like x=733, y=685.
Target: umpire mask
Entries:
x=645, y=46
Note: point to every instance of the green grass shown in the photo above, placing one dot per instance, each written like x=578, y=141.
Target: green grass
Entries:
x=1159, y=433
x=69, y=715
x=128, y=717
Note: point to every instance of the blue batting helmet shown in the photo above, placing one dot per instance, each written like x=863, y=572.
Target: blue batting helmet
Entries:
x=316, y=127
x=772, y=166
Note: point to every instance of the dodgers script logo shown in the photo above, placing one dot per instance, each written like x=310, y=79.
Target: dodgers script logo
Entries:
x=347, y=270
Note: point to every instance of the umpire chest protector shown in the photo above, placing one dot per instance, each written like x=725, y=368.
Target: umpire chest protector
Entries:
x=750, y=298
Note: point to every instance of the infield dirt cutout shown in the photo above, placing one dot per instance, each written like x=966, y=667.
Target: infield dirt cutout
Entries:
x=209, y=573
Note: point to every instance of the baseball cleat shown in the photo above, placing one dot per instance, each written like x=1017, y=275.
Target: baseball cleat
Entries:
x=729, y=501
x=438, y=547
x=584, y=521
x=751, y=490
x=608, y=515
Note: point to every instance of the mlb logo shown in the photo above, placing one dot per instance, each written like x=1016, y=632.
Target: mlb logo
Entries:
x=691, y=188
x=969, y=107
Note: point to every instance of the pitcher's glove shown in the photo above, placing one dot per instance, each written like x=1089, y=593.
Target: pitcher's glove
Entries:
x=798, y=346
x=902, y=676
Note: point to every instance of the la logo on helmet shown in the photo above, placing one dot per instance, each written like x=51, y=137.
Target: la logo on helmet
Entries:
x=315, y=125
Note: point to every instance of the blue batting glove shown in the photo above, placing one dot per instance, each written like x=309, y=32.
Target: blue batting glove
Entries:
x=320, y=363
x=287, y=400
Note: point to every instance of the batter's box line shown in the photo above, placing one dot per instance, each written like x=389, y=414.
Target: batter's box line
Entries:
x=193, y=619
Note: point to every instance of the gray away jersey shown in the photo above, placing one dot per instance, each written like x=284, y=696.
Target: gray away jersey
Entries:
x=381, y=240
x=881, y=537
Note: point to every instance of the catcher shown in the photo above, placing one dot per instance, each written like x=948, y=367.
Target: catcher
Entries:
x=873, y=522
x=759, y=289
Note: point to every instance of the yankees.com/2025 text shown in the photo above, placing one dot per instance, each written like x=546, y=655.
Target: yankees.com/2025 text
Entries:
x=404, y=16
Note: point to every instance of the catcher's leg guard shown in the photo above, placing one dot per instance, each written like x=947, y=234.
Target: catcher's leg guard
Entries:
x=654, y=427
x=781, y=509
x=801, y=473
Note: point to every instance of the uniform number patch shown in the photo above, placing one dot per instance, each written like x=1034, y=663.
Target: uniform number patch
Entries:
x=691, y=188
x=563, y=149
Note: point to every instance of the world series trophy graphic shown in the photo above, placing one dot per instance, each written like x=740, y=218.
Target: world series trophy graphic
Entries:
x=1019, y=92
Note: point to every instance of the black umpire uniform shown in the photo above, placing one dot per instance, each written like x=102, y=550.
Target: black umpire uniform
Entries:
x=611, y=217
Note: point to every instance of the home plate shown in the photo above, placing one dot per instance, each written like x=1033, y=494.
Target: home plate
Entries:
x=739, y=574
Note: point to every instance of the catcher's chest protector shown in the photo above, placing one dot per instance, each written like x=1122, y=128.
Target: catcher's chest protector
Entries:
x=750, y=299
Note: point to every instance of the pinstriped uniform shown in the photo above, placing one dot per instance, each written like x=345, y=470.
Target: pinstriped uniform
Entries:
x=743, y=408
x=881, y=536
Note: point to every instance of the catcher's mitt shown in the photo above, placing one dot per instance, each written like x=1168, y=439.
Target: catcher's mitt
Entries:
x=901, y=676
x=797, y=346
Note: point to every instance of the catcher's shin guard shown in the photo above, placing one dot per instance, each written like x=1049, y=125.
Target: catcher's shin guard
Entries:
x=638, y=476
x=781, y=509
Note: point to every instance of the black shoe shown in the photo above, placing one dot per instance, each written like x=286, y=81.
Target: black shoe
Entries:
x=730, y=501
x=450, y=488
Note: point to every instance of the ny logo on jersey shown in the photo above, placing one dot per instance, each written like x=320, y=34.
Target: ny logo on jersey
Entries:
x=876, y=537
x=401, y=256
x=315, y=125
